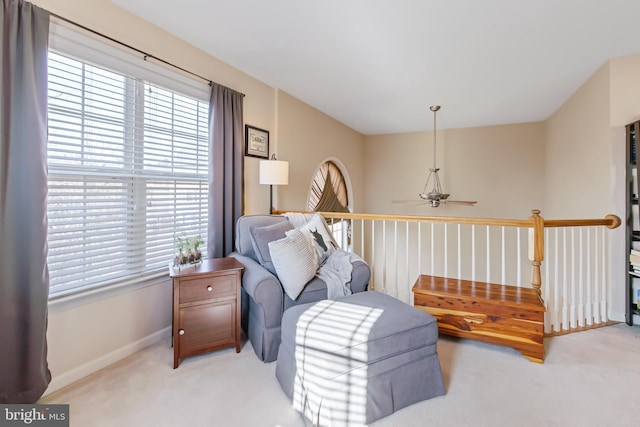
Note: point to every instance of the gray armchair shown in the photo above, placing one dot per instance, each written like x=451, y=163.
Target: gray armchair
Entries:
x=263, y=298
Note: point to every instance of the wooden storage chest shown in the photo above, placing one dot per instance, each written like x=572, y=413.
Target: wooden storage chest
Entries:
x=497, y=314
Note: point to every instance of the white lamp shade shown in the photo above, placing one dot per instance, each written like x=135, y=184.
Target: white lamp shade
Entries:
x=274, y=172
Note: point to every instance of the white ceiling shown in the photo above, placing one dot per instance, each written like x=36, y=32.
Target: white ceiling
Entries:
x=377, y=65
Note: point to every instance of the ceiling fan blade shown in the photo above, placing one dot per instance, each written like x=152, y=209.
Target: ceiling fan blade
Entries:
x=459, y=202
x=411, y=202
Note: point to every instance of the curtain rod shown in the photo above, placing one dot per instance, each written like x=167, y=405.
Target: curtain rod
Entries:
x=128, y=46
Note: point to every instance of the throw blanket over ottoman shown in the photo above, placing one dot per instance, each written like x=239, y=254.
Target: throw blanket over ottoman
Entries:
x=356, y=359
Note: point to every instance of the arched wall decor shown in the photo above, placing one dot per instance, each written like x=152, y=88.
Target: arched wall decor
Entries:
x=330, y=188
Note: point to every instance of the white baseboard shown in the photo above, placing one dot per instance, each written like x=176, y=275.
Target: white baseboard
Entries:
x=69, y=377
x=621, y=317
x=617, y=316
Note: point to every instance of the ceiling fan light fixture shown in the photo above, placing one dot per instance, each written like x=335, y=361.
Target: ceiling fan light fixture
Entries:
x=435, y=197
x=436, y=193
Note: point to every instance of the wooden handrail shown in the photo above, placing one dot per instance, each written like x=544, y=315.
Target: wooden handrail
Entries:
x=610, y=221
x=414, y=218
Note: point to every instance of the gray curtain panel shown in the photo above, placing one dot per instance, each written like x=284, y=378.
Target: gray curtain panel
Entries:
x=226, y=169
x=24, y=277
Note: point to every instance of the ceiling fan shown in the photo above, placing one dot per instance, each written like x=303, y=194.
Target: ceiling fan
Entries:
x=435, y=197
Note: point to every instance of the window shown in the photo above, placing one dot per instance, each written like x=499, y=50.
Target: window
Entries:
x=328, y=193
x=328, y=190
x=128, y=171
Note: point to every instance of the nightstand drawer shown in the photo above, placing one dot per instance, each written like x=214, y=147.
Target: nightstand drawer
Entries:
x=204, y=288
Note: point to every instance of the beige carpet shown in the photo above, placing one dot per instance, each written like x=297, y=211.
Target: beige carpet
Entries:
x=589, y=378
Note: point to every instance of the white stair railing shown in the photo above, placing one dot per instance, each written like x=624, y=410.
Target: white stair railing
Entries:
x=576, y=278
x=573, y=281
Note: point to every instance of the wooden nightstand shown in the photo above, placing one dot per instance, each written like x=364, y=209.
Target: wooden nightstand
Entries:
x=206, y=307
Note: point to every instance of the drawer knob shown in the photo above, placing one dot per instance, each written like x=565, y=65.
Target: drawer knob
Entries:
x=181, y=332
x=209, y=288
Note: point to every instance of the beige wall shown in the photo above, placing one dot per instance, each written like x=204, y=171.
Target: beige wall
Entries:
x=498, y=166
x=86, y=336
x=306, y=139
x=579, y=171
x=578, y=153
x=625, y=90
x=585, y=158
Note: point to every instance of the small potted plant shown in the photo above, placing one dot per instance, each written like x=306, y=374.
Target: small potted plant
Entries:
x=197, y=241
x=188, y=252
x=180, y=258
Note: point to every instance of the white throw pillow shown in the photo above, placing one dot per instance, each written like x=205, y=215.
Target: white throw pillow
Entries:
x=295, y=262
x=319, y=237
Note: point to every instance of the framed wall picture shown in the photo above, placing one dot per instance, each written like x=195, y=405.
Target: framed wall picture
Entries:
x=256, y=142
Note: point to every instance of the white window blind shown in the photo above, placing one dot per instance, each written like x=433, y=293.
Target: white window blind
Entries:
x=127, y=174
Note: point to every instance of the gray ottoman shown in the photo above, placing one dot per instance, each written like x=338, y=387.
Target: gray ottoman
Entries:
x=359, y=358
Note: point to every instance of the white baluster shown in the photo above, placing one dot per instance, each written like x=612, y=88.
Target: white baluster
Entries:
x=373, y=253
x=556, y=298
x=362, y=238
x=573, y=314
x=565, y=291
x=519, y=257
x=433, y=272
x=488, y=256
x=420, y=270
x=603, y=300
x=384, y=256
x=581, y=315
x=406, y=257
x=504, y=259
x=548, y=318
x=459, y=255
x=589, y=312
x=395, y=256
x=473, y=252
x=596, y=278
